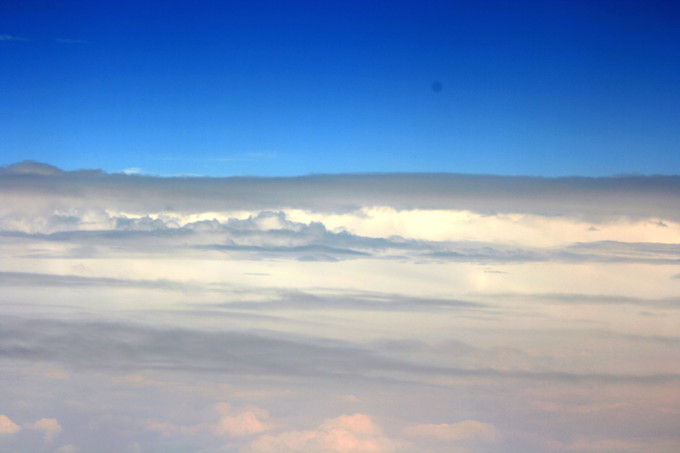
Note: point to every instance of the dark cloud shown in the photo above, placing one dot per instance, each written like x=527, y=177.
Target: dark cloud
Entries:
x=29, y=167
x=119, y=346
x=596, y=198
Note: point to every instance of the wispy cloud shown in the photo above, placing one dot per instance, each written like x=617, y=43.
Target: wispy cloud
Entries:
x=594, y=299
x=71, y=41
x=236, y=157
x=238, y=353
x=74, y=281
x=7, y=37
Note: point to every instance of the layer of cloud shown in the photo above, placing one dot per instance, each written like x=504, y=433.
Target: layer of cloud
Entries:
x=273, y=235
x=124, y=347
x=464, y=431
x=596, y=198
x=427, y=301
x=70, y=448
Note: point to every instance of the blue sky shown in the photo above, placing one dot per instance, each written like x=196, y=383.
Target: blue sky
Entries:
x=287, y=88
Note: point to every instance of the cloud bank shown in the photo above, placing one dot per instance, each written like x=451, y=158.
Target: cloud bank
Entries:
x=338, y=313
x=639, y=196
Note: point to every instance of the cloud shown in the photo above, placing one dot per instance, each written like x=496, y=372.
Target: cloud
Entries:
x=355, y=433
x=49, y=426
x=7, y=37
x=125, y=347
x=240, y=423
x=614, y=445
x=465, y=431
x=7, y=426
x=30, y=279
x=233, y=423
x=576, y=299
x=108, y=345
x=167, y=429
x=68, y=449
x=242, y=157
x=590, y=198
x=71, y=41
x=268, y=234
x=298, y=300
x=420, y=298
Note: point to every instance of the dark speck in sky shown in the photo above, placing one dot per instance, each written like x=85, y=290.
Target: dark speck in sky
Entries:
x=437, y=86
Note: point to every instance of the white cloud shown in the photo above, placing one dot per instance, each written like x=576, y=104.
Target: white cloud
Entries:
x=71, y=41
x=7, y=426
x=345, y=434
x=244, y=424
x=350, y=398
x=49, y=426
x=7, y=37
x=196, y=290
x=240, y=423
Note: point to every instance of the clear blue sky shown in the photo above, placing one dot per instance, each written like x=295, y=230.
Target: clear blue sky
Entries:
x=293, y=87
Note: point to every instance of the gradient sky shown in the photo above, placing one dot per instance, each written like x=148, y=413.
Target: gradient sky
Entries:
x=286, y=88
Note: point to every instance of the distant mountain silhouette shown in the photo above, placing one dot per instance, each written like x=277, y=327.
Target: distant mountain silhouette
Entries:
x=31, y=167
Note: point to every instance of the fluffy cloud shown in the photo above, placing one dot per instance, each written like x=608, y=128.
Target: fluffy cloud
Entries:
x=345, y=434
x=7, y=426
x=233, y=423
x=266, y=235
x=49, y=426
x=240, y=423
x=441, y=218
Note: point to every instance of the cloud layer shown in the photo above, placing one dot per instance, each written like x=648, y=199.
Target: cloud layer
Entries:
x=638, y=196
x=338, y=313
